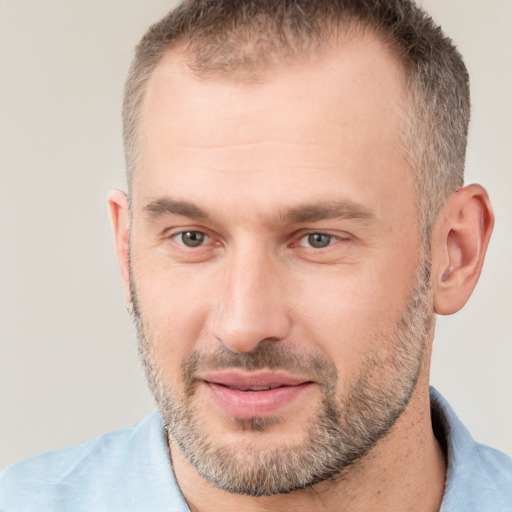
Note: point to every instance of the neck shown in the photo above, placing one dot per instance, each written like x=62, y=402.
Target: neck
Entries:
x=404, y=471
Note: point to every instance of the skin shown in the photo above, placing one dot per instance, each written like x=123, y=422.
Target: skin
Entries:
x=324, y=130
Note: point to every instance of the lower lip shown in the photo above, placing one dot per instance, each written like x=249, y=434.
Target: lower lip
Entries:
x=253, y=404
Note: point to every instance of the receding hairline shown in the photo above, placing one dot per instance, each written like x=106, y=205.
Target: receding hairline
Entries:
x=235, y=64
x=187, y=55
x=250, y=61
x=219, y=33
x=262, y=72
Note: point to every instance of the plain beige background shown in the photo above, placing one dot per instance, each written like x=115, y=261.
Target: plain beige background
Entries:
x=68, y=363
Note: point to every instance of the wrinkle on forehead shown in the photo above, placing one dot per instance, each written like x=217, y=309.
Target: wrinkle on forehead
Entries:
x=246, y=158
x=249, y=144
x=306, y=132
x=356, y=65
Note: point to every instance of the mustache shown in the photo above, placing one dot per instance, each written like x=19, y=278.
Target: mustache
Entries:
x=269, y=355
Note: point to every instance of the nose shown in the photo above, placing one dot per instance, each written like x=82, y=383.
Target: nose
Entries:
x=252, y=305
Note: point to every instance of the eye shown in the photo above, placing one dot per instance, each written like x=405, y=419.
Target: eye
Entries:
x=317, y=240
x=191, y=238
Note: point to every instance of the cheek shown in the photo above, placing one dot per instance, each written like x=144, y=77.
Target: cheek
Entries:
x=351, y=314
x=173, y=310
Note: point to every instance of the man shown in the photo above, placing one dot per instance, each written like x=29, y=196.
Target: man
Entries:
x=296, y=216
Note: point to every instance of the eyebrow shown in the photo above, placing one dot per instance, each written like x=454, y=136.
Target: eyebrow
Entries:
x=167, y=205
x=314, y=212
x=327, y=210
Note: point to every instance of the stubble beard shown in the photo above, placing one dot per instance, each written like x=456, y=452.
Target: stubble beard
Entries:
x=344, y=430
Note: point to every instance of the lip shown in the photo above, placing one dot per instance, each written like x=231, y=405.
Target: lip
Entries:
x=253, y=394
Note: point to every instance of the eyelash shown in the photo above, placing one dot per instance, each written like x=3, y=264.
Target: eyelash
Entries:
x=175, y=236
x=205, y=238
x=332, y=239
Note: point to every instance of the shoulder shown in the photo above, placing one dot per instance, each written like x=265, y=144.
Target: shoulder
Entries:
x=480, y=481
x=479, y=477
x=57, y=465
x=496, y=465
x=110, y=472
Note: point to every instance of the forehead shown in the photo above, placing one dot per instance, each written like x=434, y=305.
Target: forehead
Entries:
x=330, y=115
x=344, y=74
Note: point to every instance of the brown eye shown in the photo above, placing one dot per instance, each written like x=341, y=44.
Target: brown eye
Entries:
x=191, y=238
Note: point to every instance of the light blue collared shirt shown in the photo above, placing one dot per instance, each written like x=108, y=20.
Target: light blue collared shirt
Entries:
x=130, y=470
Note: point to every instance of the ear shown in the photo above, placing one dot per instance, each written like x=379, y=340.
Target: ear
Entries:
x=459, y=243
x=120, y=217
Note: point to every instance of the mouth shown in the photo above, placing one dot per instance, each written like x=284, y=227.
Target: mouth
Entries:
x=253, y=394
x=250, y=388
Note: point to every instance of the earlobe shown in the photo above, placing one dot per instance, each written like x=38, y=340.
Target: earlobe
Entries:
x=459, y=243
x=119, y=217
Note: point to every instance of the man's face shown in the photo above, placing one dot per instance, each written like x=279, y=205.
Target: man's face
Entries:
x=276, y=266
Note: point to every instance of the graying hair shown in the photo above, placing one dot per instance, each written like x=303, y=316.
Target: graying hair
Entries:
x=234, y=37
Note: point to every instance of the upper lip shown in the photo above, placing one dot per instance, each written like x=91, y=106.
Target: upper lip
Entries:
x=254, y=380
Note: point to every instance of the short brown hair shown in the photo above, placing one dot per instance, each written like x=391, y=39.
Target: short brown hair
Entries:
x=229, y=36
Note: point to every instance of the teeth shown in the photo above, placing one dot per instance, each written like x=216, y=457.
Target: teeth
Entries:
x=258, y=388
x=249, y=388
